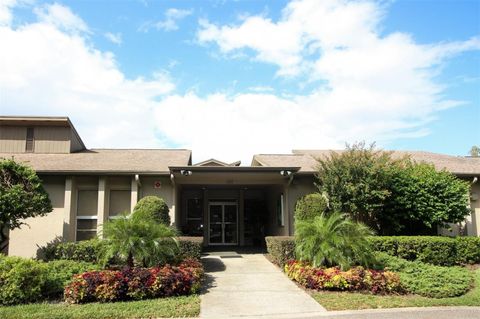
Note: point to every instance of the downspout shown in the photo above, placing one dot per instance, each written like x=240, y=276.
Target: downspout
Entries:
x=174, y=201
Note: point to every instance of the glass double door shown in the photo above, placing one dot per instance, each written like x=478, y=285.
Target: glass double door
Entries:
x=223, y=225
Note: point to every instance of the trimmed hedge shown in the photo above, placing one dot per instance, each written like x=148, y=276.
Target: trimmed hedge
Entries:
x=436, y=250
x=152, y=207
x=310, y=206
x=135, y=283
x=87, y=250
x=25, y=280
x=91, y=250
x=281, y=249
x=428, y=280
x=190, y=247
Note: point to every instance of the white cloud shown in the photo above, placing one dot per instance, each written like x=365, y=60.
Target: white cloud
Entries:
x=170, y=22
x=5, y=11
x=61, y=17
x=115, y=38
x=49, y=71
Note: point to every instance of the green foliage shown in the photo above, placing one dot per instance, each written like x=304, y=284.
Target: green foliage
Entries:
x=467, y=250
x=152, y=207
x=310, y=205
x=138, y=240
x=25, y=280
x=85, y=250
x=474, y=151
x=354, y=279
x=21, y=280
x=60, y=273
x=434, y=250
x=357, y=182
x=428, y=280
x=190, y=247
x=331, y=240
x=21, y=196
x=392, y=196
x=281, y=249
x=423, y=195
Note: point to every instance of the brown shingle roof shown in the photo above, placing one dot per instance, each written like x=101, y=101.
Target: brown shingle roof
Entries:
x=106, y=160
x=306, y=159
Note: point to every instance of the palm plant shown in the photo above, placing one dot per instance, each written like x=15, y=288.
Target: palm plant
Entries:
x=138, y=240
x=333, y=239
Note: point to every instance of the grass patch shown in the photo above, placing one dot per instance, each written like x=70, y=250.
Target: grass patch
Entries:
x=188, y=306
x=353, y=301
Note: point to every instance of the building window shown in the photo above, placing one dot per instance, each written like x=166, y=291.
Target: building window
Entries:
x=280, y=211
x=194, y=226
x=87, y=205
x=120, y=202
x=30, y=142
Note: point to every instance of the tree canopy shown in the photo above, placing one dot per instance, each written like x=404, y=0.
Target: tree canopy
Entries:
x=391, y=195
x=21, y=196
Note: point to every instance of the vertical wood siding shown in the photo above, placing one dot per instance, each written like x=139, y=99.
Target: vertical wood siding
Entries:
x=12, y=139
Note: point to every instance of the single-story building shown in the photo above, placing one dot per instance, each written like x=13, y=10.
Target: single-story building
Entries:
x=226, y=203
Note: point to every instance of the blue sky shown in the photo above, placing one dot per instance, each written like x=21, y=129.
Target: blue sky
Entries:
x=228, y=79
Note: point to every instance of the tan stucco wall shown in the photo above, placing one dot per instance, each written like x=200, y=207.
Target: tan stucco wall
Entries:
x=41, y=230
x=299, y=187
x=166, y=191
x=273, y=228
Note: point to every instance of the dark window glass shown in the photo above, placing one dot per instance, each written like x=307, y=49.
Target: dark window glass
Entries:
x=30, y=140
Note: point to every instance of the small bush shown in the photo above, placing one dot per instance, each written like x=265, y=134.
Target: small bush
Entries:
x=435, y=250
x=60, y=273
x=152, y=207
x=85, y=251
x=428, y=280
x=21, y=280
x=354, y=279
x=310, y=206
x=281, y=249
x=190, y=247
x=135, y=283
x=25, y=280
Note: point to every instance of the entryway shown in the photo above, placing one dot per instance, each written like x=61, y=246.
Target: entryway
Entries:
x=223, y=223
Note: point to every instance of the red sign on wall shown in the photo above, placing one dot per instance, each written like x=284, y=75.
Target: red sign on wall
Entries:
x=157, y=184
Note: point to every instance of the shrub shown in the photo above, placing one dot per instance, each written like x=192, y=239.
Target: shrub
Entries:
x=60, y=273
x=310, y=205
x=86, y=251
x=435, y=250
x=355, y=279
x=21, y=280
x=190, y=247
x=333, y=240
x=152, y=207
x=25, y=280
x=467, y=250
x=135, y=283
x=428, y=280
x=281, y=249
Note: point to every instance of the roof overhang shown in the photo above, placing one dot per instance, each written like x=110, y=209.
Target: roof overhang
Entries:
x=232, y=175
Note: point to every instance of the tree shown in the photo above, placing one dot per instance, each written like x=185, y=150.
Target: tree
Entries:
x=153, y=207
x=21, y=196
x=423, y=196
x=357, y=182
x=333, y=239
x=475, y=151
x=139, y=240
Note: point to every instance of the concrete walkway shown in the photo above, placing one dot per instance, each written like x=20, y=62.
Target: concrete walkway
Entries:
x=248, y=285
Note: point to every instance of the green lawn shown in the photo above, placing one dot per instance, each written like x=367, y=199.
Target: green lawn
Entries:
x=355, y=300
x=165, y=307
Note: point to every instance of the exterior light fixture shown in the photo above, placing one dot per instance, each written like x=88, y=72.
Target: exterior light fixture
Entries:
x=285, y=173
x=185, y=172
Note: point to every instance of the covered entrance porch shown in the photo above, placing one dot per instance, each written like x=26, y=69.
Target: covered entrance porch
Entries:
x=232, y=206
